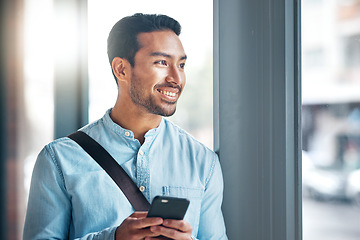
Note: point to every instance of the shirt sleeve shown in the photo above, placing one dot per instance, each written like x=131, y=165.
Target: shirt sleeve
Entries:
x=48, y=213
x=212, y=224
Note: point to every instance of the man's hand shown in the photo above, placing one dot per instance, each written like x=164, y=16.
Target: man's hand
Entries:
x=137, y=227
x=172, y=229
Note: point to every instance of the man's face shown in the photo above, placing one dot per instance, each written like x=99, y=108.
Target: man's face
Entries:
x=158, y=76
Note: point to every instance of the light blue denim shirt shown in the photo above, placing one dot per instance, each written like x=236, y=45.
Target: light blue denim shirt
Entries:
x=72, y=197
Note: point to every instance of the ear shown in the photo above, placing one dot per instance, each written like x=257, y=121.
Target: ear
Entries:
x=121, y=68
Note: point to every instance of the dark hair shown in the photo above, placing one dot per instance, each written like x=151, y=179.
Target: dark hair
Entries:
x=122, y=41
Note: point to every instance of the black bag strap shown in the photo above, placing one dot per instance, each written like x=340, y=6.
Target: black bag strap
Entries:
x=115, y=171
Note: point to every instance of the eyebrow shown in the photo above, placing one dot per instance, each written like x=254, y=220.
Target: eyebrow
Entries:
x=166, y=55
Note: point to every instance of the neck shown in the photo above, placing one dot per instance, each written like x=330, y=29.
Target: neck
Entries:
x=139, y=122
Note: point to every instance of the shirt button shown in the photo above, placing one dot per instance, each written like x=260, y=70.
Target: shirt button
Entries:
x=127, y=134
x=142, y=188
x=141, y=152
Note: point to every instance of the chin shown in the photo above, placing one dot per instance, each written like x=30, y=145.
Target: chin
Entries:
x=162, y=109
x=167, y=112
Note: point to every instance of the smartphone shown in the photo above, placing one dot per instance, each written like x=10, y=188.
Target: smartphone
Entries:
x=168, y=207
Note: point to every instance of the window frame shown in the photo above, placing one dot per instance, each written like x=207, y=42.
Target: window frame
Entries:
x=257, y=55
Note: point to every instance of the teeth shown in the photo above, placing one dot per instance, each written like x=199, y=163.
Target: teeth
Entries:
x=170, y=94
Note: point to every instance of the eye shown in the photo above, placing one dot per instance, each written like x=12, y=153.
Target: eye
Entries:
x=182, y=65
x=162, y=62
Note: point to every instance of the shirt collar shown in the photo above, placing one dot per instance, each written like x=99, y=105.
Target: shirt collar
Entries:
x=126, y=132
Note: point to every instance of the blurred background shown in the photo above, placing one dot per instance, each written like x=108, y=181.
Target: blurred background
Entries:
x=331, y=119
x=54, y=53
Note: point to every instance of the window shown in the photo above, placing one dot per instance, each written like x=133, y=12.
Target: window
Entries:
x=30, y=104
x=331, y=120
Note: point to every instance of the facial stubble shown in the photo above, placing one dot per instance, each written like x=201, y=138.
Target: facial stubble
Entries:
x=139, y=97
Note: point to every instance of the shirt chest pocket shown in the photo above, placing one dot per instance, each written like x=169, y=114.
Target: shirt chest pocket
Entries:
x=194, y=195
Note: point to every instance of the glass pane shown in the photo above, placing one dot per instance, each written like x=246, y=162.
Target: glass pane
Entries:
x=331, y=119
x=35, y=125
x=194, y=111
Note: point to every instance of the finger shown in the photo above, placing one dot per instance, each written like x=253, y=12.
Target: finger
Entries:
x=146, y=222
x=139, y=215
x=145, y=233
x=153, y=238
x=182, y=225
x=170, y=232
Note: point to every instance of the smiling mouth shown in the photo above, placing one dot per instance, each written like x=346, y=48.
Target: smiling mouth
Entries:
x=167, y=93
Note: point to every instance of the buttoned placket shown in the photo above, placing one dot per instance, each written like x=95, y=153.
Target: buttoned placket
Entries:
x=142, y=160
x=143, y=168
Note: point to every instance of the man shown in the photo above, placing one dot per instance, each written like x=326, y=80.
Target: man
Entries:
x=72, y=197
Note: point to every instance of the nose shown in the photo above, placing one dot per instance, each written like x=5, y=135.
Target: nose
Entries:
x=175, y=75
